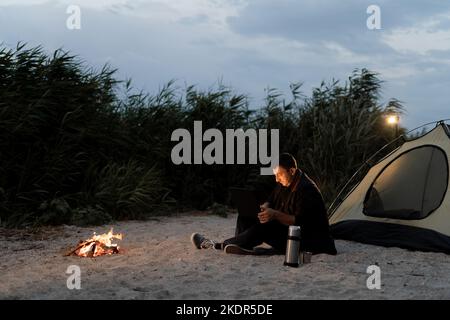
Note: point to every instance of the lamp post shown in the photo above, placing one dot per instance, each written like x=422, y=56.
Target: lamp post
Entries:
x=393, y=120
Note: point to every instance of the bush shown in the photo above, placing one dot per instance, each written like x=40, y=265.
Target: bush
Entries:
x=78, y=146
x=90, y=216
x=130, y=191
x=54, y=212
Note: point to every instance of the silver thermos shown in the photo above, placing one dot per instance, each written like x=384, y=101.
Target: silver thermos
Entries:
x=293, y=247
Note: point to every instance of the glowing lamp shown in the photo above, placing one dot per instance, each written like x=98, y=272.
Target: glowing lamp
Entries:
x=392, y=119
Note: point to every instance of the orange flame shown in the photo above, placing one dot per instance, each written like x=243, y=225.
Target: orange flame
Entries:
x=98, y=245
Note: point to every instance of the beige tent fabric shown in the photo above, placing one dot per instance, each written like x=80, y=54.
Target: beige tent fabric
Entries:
x=352, y=207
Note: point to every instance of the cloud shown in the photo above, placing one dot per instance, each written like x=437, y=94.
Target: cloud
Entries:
x=421, y=39
x=343, y=22
x=344, y=55
x=84, y=3
x=9, y=3
x=251, y=44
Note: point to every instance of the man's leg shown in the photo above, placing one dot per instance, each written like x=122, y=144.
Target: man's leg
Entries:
x=244, y=223
x=277, y=237
x=273, y=233
x=247, y=239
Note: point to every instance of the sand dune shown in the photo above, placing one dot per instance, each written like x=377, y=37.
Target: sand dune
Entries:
x=159, y=262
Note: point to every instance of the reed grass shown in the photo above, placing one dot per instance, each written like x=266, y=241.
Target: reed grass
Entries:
x=79, y=146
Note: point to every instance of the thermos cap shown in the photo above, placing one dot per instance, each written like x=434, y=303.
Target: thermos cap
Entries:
x=294, y=231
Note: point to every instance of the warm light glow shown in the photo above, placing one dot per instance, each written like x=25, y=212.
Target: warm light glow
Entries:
x=98, y=245
x=392, y=119
x=275, y=170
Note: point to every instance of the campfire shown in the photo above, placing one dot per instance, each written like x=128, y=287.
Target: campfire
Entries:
x=98, y=245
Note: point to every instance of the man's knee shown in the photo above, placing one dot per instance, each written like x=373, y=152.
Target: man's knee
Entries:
x=244, y=223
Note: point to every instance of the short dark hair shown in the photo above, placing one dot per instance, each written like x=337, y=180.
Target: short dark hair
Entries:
x=287, y=161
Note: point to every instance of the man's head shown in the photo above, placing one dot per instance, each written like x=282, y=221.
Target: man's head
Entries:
x=285, y=171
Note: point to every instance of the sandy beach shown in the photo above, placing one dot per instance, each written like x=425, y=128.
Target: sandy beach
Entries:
x=159, y=262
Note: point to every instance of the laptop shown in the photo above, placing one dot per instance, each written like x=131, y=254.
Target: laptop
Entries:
x=246, y=202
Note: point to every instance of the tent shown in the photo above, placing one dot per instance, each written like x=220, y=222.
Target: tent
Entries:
x=404, y=199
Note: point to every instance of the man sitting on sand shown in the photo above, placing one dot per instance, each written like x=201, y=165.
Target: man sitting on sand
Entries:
x=296, y=200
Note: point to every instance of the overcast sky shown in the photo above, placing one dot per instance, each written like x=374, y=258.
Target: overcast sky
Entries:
x=252, y=44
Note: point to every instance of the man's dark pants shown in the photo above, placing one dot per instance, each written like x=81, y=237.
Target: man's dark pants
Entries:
x=251, y=233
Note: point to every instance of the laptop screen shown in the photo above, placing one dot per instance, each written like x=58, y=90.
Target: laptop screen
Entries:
x=245, y=201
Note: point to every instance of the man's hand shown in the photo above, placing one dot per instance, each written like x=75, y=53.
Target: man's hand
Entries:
x=266, y=215
x=264, y=206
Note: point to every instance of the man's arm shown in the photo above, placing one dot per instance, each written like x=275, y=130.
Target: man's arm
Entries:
x=269, y=214
x=284, y=218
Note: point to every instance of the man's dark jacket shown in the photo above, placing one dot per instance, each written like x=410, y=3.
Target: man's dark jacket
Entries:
x=303, y=200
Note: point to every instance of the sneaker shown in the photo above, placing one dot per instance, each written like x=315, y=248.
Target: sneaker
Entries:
x=200, y=242
x=235, y=249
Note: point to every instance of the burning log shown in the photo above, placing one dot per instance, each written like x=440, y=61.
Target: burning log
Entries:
x=96, y=246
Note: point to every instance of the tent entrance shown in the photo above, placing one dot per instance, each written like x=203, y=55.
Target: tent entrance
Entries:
x=410, y=187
